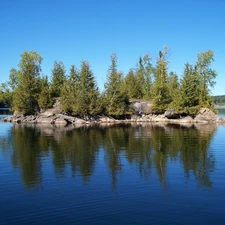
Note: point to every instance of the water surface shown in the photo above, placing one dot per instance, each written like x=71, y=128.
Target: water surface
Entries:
x=119, y=174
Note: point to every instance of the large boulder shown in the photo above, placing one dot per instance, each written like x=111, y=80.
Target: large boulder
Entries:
x=105, y=119
x=141, y=107
x=206, y=115
x=46, y=120
x=79, y=121
x=187, y=119
x=60, y=121
x=159, y=118
x=170, y=114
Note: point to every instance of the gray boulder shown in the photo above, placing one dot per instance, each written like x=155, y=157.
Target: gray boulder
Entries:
x=60, y=121
x=187, y=119
x=45, y=120
x=170, y=114
x=206, y=115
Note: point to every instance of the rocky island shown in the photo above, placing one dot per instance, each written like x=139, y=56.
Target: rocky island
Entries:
x=140, y=114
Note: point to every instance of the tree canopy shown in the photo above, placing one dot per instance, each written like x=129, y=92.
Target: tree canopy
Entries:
x=28, y=91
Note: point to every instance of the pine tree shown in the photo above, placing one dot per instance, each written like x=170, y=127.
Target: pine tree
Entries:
x=69, y=92
x=130, y=85
x=140, y=79
x=58, y=78
x=160, y=91
x=6, y=89
x=13, y=79
x=88, y=91
x=44, y=98
x=116, y=100
x=148, y=70
x=25, y=96
x=207, y=76
x=189, y=91
x=80, y=93
x=174, y=90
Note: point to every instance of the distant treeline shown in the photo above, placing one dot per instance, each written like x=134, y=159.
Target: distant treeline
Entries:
x=29, y=92
x=219, y=99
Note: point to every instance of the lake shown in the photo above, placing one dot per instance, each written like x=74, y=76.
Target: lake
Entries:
x=118, y=174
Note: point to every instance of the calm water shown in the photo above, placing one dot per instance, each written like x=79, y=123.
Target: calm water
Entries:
x=122, y=174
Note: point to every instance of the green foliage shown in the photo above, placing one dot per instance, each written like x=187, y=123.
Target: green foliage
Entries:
x=44, y=98
x=115, y=99
x=173, y=84
x=130, y=85
x=13, y=78
x=219, y=99
x=28, y=92
x=160, y=91
x=25, y=95
x=87, y=95
x=80, y=94
x=148, y=71
x=5, y=95
x=140, y=79
x=69, y=91
x=137, y=83
x=189, y=91
x=207, y=76
x=58, y=78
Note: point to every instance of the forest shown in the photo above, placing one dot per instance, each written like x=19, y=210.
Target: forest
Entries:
x=219, y=99
x=28, y=91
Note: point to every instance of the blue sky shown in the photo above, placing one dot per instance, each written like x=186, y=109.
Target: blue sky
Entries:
x=73, y=30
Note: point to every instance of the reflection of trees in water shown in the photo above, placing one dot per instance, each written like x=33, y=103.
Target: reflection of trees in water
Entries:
x=25, y=155
x=194, y=153
x=149, y=147
x=76, y=149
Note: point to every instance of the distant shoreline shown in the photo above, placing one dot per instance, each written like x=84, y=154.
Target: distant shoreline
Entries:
x=219, y=107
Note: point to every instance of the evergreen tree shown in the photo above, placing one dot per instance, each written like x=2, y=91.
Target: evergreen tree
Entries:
x=7, y=89
x=174, y=90
x=80, y=93
x=207, y=76
x=140, y=79
x=148, y=70
x=189, y=91
x=160, y=91
x=143, y=78
x=44, y=98
x=5, y=95
x=130, y=85
x=88, y=91
x=116, y=100
x=58, y=78
x=25, y=96
x=13, y=79
x=69, y=91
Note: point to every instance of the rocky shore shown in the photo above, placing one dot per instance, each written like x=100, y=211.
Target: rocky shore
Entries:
x=205, y=116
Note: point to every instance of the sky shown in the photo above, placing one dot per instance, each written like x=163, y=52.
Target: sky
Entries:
x=74, y=30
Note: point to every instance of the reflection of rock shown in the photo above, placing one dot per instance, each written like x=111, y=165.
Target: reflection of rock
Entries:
x=206, y=128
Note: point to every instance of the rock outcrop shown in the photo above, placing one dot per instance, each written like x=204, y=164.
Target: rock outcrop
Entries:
x=170, y=114
x=58, y=119
x=205, y=116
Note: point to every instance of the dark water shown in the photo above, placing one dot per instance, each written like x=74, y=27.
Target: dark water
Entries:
x=121, y=174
